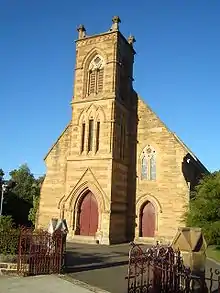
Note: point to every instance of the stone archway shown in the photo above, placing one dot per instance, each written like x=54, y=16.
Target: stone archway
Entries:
x=147, y=220
x=87, y=215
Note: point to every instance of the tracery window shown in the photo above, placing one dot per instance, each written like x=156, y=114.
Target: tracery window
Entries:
x=90, y=122
x=95, y=76
x=148, y=163
x=144, y=169
x=90, y=139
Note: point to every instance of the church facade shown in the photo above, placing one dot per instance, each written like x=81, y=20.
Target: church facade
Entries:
x=116, y=173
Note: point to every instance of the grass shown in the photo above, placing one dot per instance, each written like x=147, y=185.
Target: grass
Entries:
x=213, y=252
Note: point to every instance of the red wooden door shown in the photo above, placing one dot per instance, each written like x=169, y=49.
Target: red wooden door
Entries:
x=148, y=221
x=88, y=215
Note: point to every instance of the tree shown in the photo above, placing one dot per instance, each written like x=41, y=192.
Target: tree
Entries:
x=33, y=211
x=1, y=173
x=204, y=208
x=1, y=178
x=25, y=181
x=36, y=199
x=20, y=195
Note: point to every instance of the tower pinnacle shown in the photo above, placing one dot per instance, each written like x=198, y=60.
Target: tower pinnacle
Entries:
x=82, y=31
x=115, y=23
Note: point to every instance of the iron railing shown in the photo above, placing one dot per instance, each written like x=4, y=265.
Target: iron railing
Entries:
x=160, y=269
x=40, y=252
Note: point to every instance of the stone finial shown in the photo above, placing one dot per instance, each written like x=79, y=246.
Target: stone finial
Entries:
x=115, y=23
x=82, y=31
x=131, y=40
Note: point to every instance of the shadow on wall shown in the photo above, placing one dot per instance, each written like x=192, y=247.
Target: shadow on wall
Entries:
x=131, y=186
x=193, y=171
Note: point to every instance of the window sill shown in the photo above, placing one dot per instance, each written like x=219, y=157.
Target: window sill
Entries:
x=147, y=180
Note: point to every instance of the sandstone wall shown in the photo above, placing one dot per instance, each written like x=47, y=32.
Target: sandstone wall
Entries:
x=169, y=192
x=53, y=187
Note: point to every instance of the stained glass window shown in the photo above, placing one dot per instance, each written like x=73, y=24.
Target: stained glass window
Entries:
x=153, y=167
x=144, y=169
x=148, y=163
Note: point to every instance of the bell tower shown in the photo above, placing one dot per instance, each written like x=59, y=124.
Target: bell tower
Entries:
x=102, y=153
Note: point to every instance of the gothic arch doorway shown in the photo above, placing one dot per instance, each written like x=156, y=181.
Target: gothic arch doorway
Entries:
x=147, y=220
x=88, y=215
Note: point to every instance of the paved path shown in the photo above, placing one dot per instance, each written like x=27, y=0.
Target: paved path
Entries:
x=105, y=266
x=42, y=284
x=101, y=266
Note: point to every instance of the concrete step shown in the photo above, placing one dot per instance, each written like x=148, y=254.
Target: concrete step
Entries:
x=83, y=239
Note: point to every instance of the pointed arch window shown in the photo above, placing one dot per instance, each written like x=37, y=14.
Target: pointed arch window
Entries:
x=95, y=76
x=83, y=137
x=153, y=167
x=97, y=135
x=90, y=135
x=148, y=164
x=144, y=169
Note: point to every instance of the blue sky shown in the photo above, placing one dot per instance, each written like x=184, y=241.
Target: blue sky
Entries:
x=177, y=70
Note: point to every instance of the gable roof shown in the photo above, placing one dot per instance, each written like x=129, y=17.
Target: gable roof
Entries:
x=190, y=152
x=178, y=139
x=56, y=142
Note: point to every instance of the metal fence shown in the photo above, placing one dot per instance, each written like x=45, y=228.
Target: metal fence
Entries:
x=161, y=269
x=40, y=252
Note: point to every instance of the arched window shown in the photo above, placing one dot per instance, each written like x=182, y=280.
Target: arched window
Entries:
x=95, y=75
x=97, y=135
x=153, y=167
x=90, y=123
x=148, y=163
x=90, y=135
x=83, y=129
x=144, y=169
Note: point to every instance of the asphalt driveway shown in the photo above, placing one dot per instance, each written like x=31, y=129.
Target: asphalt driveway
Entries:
x=104, y=267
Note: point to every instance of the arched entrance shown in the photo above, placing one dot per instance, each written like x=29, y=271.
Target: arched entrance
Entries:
x=147, y=220
x=88, y=215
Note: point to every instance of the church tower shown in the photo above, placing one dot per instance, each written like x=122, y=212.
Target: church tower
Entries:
x=92, y=168
x=100, y=150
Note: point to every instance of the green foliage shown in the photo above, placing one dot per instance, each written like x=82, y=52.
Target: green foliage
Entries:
x=34, y=209
x=204, y=210
x=24, y=180
x=20, y=197
x=1, y=173
x=6, y=223
x=213, y=252
x=36, y=200
x=9, y=236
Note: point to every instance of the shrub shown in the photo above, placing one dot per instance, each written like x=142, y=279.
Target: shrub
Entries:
x=9, y=236
x=204, y=211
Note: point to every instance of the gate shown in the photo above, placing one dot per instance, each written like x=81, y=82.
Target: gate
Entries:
x=40, y=252
x=161, y=269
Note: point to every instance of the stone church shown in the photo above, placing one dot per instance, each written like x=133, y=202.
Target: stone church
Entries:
x=116, y=173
